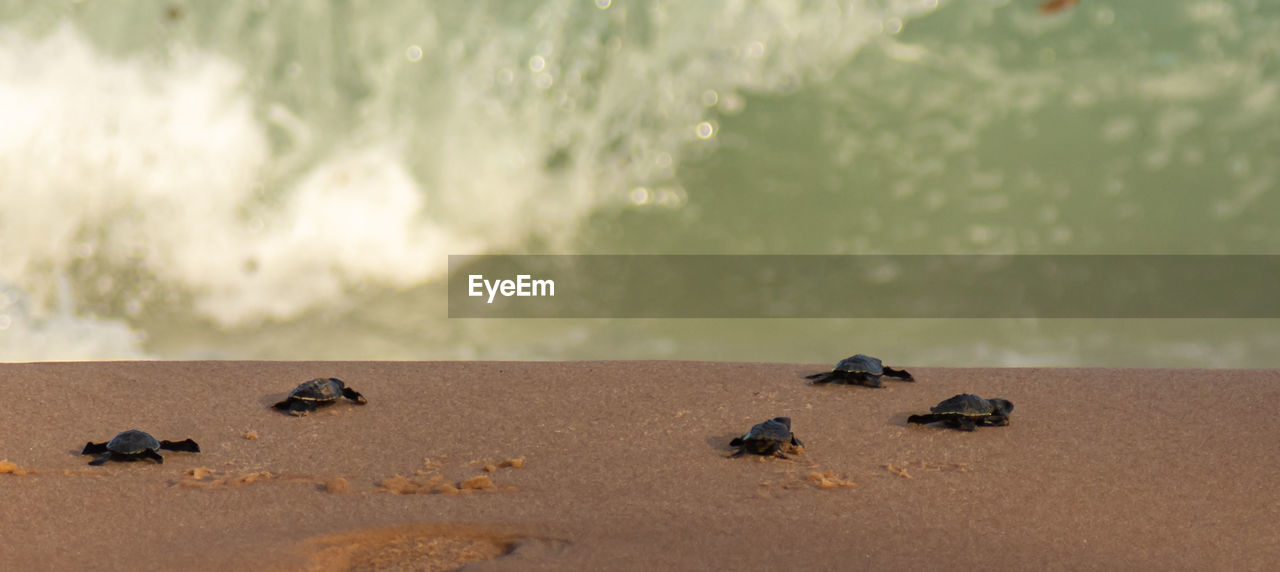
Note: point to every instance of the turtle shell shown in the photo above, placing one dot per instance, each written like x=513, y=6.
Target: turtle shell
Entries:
x=861, y=364
x=775, y=430
x=970, y=405
x=132, y=442
x=320, y=389
x=770, y=437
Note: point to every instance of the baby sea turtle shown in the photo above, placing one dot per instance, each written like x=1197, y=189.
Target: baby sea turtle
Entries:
x=768, y=438
x=135, y=445
x=966, y=412
x=317, y=393
x=860, y=370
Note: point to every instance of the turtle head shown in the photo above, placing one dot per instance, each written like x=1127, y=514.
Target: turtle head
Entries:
x=1001, y=406
x=785, y=421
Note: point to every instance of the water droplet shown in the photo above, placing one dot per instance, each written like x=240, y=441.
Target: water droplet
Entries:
x=710, y=97
x=706, y=130
x=640, y=196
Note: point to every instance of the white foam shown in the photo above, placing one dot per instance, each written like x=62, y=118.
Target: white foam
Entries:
x=62, y=336
x=158, y=164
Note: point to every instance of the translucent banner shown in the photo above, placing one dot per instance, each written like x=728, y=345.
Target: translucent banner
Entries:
x=881, y=286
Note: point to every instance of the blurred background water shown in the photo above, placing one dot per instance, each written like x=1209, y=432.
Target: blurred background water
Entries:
x=285, y=180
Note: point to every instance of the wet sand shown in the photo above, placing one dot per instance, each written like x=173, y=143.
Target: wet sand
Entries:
x=623, y=466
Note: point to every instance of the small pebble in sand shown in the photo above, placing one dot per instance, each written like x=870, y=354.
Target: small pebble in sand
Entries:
x=900, y=471
x=252, y=435
x=8, y=467
x=337, y=485
x=199, y=473
x=246, y=479
x=513, y=463
x=479, y=482
x=509, y=463
x=399, y=485
x=829, y=480
x=437, y=485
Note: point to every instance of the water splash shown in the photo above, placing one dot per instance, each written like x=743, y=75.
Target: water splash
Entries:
x=229, y=170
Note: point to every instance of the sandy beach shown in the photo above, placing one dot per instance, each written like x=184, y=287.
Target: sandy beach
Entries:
x=624, y=466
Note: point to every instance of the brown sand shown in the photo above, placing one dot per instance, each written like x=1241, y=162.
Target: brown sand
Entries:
x=622, y=466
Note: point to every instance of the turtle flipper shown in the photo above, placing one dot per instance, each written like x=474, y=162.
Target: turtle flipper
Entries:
x=925, y=419
x=149, y=454
x=824, y=377
x=964, y=424
x=996, y=421
x=899, y=374
x=296, y=406
x=94, y=449
x=100, y=459
x=776, y=450
x=186, y=446
x=354, y=395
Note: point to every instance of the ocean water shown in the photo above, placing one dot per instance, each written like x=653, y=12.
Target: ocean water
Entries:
x=285, y=180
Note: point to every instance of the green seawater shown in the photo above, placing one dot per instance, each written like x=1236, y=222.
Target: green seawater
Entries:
x=285, y=180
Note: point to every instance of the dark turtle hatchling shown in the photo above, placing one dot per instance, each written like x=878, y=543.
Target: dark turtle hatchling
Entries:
x=135, y=445
x=860, y=370
x=317, y=393
x=966, y=412
x=769, y=438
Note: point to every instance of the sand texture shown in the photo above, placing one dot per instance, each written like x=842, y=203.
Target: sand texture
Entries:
x=624, y=466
